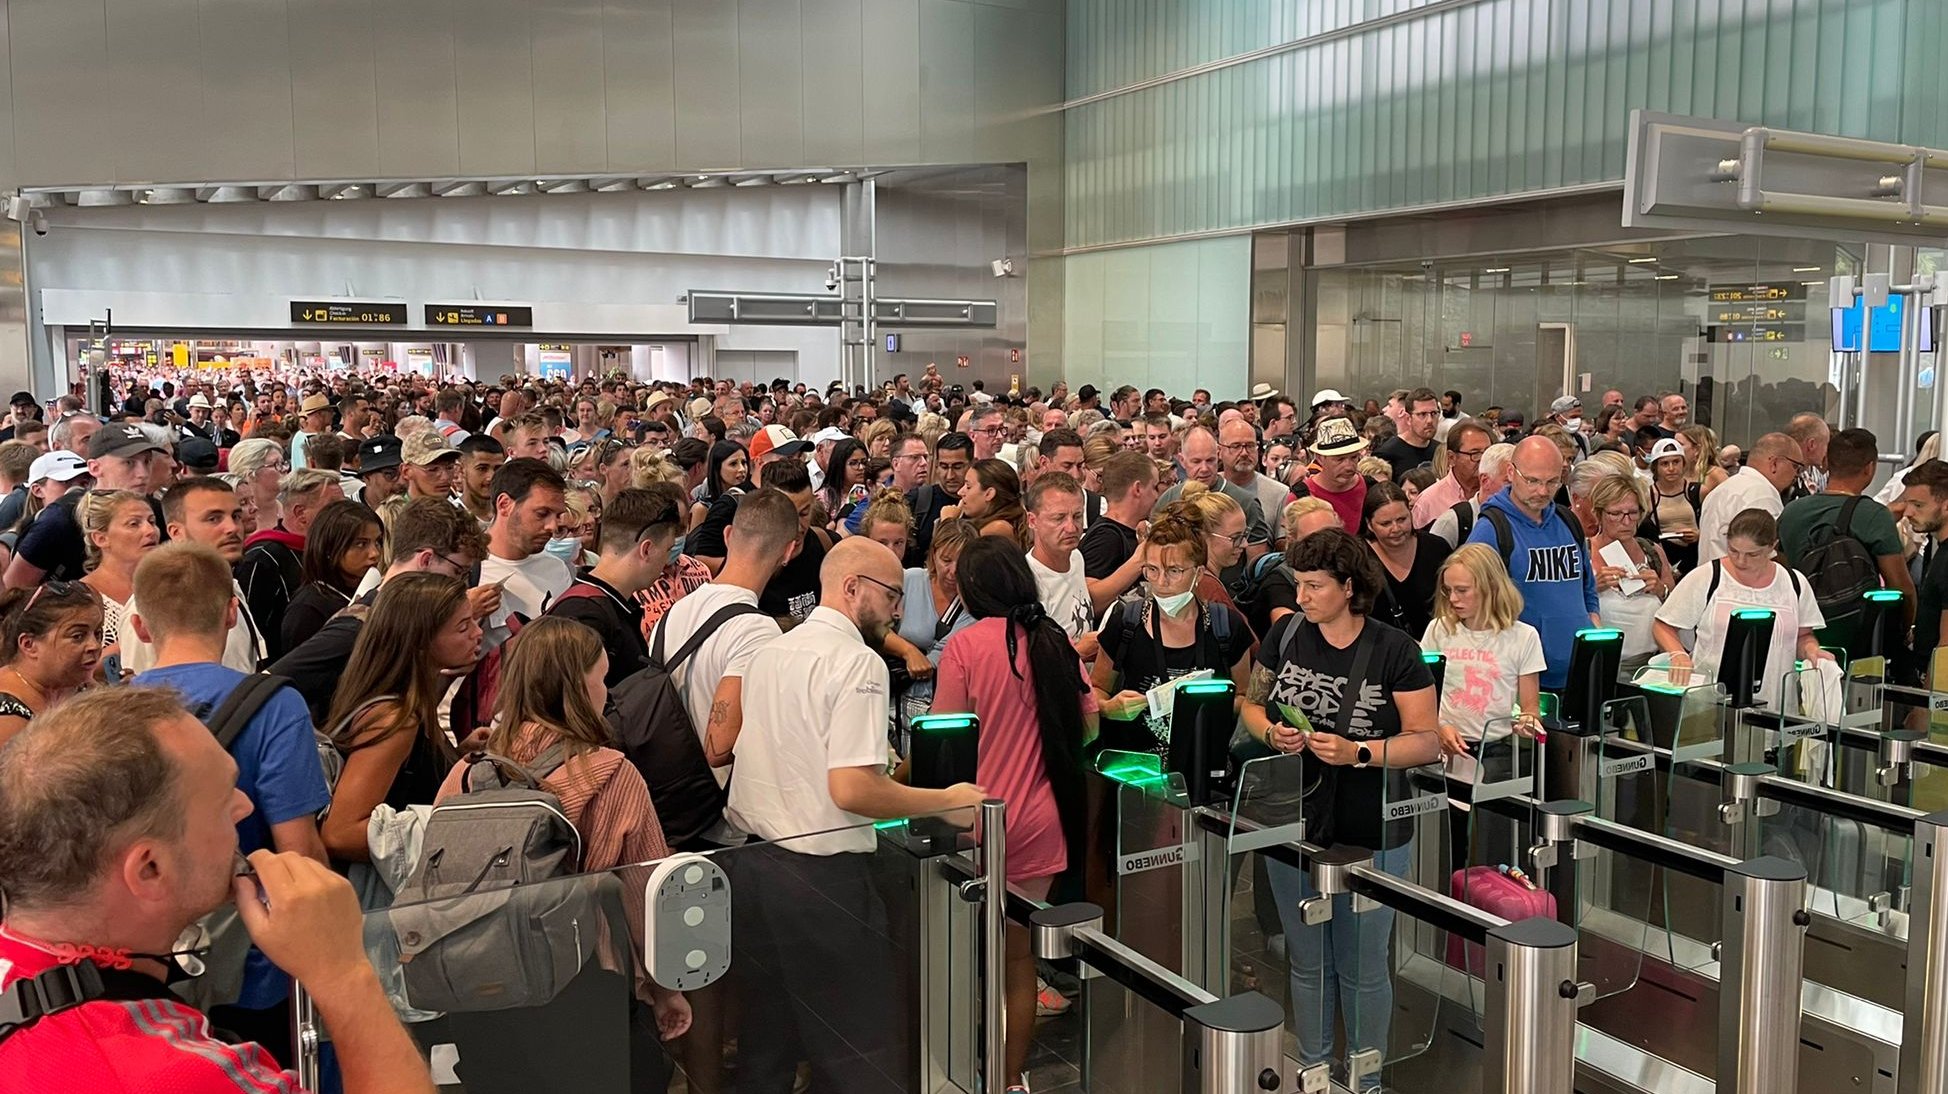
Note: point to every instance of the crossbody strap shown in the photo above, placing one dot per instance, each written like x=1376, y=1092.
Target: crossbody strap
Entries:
x=1349, y=695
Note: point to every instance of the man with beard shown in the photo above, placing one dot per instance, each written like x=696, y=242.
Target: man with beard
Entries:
x=205, y=510
x=811, y=757
x=528, y=503
x=1054, y=506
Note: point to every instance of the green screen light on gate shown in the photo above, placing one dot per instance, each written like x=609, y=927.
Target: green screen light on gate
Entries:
x=1600, y=634
x=942, y=723
x=1755, y=615
x=1883, y=596
x=1208, y=687
x=1428, y=657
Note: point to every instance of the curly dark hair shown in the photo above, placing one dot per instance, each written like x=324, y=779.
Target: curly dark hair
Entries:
x=1336, y=552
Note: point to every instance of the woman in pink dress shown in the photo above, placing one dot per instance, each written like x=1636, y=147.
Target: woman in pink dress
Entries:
x=1015, y=669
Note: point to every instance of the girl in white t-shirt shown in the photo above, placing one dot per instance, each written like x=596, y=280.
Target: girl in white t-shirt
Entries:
x=1494, y=665
x=1747, y=577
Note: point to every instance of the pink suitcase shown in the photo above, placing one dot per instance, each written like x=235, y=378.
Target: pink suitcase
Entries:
x=1496, y=893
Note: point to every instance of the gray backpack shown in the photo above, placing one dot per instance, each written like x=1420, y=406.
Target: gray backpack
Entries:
x=493, y=916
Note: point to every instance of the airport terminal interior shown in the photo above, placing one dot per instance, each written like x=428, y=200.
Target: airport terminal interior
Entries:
x=1638, y=876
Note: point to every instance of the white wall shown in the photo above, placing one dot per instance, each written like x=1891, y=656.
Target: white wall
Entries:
x=612, y=265
x=1174, y=316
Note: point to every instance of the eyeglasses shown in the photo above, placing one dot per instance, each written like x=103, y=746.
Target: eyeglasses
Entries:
x=1475, y=454
x=1174, y=574
x=898, y=594
x=1552, y=484
x=1240, y=446
x=1624, y=514
x=1237, y=539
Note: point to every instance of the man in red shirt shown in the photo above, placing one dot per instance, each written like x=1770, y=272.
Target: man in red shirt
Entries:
x=1336, y=448
x=118, y=814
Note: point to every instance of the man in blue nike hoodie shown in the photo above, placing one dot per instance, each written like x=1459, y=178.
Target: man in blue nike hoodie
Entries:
x=1548, y=560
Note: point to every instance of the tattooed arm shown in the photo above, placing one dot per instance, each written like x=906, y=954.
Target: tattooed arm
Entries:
x=726, y=719
x=1258, y=693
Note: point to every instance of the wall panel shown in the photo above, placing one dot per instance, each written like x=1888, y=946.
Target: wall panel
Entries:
x=708, y=78
x=495, y=87
x=334, y=88
x=1464, y=101
x=245, y=47
x=417, y=88
x=639, y=95
x=570, y=92
x=153, y=130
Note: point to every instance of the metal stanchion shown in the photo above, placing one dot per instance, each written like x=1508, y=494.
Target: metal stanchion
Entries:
x=1232, y=1046
x=994, y=941
x=1760, y=976
x=1531, y=1013
x=304, y=1036
x=1924, y=1024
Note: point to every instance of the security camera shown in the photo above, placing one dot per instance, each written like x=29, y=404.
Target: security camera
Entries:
x=831, y=282
x=38, y=221
x=1003, y=267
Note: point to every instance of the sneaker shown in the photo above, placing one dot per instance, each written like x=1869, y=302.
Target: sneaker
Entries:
x=1049, y=1002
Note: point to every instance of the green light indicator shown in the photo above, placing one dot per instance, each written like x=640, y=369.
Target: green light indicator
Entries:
x=1430, y=658
x=1883, y=596
x=941, y=723
x=1600, y=634
x=1131, y=768
x=889, y=825
x=1754, y=614
x=1666, y=689
x=1208, y=687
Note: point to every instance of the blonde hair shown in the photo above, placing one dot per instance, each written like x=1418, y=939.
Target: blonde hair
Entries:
x=931, y=427
x=1707, y=444
x=188, y=587
x=647, y=467
x=1500, y=601
x=541, y=685
x=1610, y=489
x=1097, y=450
x=1205, y=505
x=95, y=512
x=888, y=506
x=1375, y=468
x=877, y=428
x=1290, y=518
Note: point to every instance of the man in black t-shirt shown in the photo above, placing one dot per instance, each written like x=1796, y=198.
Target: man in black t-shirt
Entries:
x=1110, y=560
x=638, y=529
x=52, y=547
x=1924, y=498
x=1414, y=444
x=951, y=459
x=793, y=591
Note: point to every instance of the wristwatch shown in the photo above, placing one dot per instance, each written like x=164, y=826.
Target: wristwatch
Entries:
x=1365, y=756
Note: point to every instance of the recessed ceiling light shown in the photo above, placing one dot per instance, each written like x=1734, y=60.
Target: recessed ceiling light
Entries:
x=1664, y=277
x=1646, y=258
x=1805, y=269
x=1496, y=269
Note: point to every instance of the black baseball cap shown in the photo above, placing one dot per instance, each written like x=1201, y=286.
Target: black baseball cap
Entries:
x=23, y=398
x=122, y=440
x=197, y=454
x=378, y=453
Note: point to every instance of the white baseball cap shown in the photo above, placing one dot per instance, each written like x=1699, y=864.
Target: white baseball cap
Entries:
x=61, y=466
x=1329, y=396
x=1666, y=447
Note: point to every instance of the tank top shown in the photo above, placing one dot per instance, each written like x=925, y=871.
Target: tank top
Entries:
x=1674, y=513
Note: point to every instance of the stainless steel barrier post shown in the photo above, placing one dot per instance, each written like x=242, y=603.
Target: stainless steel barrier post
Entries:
x=1530, y=1019
x=304, y=1035
x=1924, y=1025
x=1232, y=1046
x=1760, y=976
x=994, y=946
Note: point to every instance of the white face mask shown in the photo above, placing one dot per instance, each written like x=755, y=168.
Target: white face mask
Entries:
x=1175, y=603
x=566, y=548
x=1574, y=425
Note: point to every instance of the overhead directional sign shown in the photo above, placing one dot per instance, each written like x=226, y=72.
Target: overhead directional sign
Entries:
x=352, y=313
x=479, y=315
x=784, y=309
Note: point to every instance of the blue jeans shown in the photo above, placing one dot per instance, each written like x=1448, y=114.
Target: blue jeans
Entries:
x=1344, y=962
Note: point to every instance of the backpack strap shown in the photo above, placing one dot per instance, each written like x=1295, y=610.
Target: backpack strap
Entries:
x=709, y=627
x=241, y=705
x=1845, y=525
x=65, y=987
x=923, y=500
x=1504, y=535
x=1464, y=519
x=1718, y=571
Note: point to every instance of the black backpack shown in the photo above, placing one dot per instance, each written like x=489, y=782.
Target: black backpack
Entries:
x=1840, y=567
x=221, y=981
x=1464, y=520
x=1505, y=534
x=653, y=728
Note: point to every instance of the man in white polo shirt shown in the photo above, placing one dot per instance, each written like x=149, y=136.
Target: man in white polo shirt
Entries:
x=811, y=758
x=1775, y=462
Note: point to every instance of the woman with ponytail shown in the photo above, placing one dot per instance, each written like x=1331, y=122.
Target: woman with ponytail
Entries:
x=1015, y=669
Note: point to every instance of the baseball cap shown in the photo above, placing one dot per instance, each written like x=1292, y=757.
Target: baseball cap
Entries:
x=378, y=453
x=197, y=454
x=1329, y=396
x=422, y=448
x=1087, y=392
x=777, y=440
x=1666, y=447
x=22, y=398
x=59, y=466
x=120, y=440
x=829, y=433
x=1564, y=404
x=313, y=403
x=1337, y=437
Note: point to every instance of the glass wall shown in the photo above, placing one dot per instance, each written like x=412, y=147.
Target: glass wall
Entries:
x=1739, y=325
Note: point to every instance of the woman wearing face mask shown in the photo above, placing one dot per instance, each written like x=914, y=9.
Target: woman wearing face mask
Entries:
x=1409, y=559
x=1166, y=635
x=1222, y=520
x=580, y=524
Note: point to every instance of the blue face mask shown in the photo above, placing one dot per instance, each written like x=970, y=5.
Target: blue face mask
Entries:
x=567, y=549
x=676, y=549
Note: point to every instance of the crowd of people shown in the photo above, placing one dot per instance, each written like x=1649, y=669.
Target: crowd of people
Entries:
x=435, y=573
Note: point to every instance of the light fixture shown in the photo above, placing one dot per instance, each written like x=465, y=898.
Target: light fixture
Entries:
x=288, y=193
x=1496, y=270
x=1664, y=277
x=1805, y=269
x=236, y=195
x=406, y=190
x=1645, y=258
